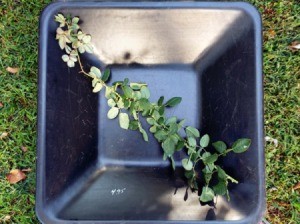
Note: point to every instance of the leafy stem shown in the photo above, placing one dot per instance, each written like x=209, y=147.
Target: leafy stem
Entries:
x=128, y=101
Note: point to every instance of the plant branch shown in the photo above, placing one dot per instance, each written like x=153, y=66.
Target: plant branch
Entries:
x=135, y=98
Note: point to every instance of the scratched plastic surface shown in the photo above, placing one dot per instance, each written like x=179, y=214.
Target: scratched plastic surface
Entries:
x=91, y=171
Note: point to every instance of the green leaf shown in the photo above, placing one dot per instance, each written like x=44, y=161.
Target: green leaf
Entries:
x=161, y=120
x=160, y=101
x=221, y=173
x=145, y=135
x=111, y=103
x=179, y=145
x=120, y=103
x=210, y=159
x=180, y=124
x=71, y=63
x=97, y=87
x=108, y=91
x=204, y=141
x=125, y=82
x=192, y=132
x=113, y=113
x=137, y=95
x=173, y=162
x=137, y=86
x=187, y=164
x=208, y=169
x=173, y=102
x=171, y=120
x=241, y=145
x=144, y=104
x=174, y=138
x=105, y=75
x=192, y=141
x=219, y=146
x=95, y=81
x=145, y=92
x=127, y=103
x=60, y=18
x=161, y=110
x=117, y=83
x=153, y=129
x=128, y=92
x=134, y=114
x=194, y=156
x=156, y=115
x=191, y=150
x=205, y=155
x=134, y=86
x=74, y=27
x=189, y=174
x=133, y=125
x=86, y=38
x=168, y=146
x=62, y=42
x=146, y=113
x=207, y=177
x=160, y=135
x=193, y=184
x=124, y=120
x=65, y=58
x=165, y=156
x=150, y=121
x=207, y=194
x=199, y=153
x=132, y=108
x=95, y=72
x=75, y=20
x=173, y=128
x=220, y=188
x=89, y=48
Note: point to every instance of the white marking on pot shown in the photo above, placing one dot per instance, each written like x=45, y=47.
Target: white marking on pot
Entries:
x=117, y=191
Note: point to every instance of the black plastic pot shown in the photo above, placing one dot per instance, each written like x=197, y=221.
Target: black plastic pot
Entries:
x=91, y=171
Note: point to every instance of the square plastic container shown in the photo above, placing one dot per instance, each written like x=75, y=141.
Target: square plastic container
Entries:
x=91, y=171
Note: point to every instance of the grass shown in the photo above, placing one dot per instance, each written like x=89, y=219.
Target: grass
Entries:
x=282, y=112
x=18, y=94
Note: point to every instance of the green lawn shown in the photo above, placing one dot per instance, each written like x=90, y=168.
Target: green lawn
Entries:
x=18, y=107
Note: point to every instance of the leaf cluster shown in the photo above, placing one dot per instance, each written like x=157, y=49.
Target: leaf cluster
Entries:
x=129, y=101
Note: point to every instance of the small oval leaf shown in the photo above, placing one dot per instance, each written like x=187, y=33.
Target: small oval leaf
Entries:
x=95, y=71
x=192, y=141
x=169, y=146
x=145, y=92
x=128, y=92
x=145, y=135
x=204, y=141
x=241, y=145
x=171, y=120
x=192, y=132
x=187, y=164
x=207, y=194
x=105, y=75
x=220, y=188
x=111, y=103
x=173, y=101
x=160, y=101
x=113, y=113
x=219, y=146
x=210, y=159
x=97, y=87
x=124, y=120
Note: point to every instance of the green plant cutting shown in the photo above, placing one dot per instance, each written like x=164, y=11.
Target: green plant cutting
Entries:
x=129, y=103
